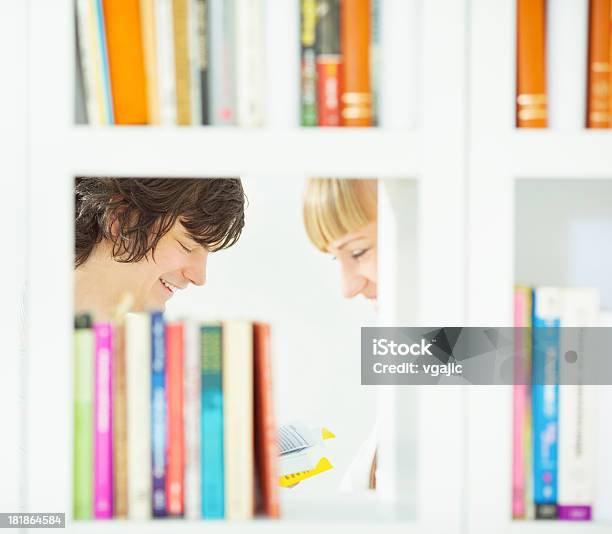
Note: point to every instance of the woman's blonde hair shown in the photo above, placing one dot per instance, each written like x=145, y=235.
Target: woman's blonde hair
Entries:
x=334, y=207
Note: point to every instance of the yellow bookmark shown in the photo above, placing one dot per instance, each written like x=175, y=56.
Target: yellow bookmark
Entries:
x=288, y=480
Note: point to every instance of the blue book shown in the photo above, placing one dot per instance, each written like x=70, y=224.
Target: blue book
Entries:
x=158, y=413
x=101, y=35
x=212, y=461
x=547, y=307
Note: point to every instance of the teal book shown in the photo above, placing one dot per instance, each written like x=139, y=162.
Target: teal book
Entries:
x=83, y=418
x=211, y=421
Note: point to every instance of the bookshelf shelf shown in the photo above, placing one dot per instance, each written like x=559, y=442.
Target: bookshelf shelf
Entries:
x=556, y=527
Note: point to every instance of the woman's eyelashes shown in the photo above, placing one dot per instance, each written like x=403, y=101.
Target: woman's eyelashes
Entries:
x=357, y=253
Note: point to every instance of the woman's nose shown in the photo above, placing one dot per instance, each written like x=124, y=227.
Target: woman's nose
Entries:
x=352, y=282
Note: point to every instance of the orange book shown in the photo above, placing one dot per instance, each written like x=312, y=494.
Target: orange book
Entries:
x=598, y=85
x=531, y=99
x=266, y=439
x=356, y=93
x=126, y=61
x=175, y=448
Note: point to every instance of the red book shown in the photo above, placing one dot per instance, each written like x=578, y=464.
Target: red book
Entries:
x=266, y=439
x=174, y=384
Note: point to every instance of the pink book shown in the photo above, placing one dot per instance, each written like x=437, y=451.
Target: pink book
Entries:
x=103, y=449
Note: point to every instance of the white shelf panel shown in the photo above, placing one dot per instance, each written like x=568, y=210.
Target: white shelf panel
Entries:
x=197, y=151
x=559, y=527
x=546, y=154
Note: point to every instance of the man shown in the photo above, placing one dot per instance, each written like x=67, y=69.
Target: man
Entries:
x=146, y=238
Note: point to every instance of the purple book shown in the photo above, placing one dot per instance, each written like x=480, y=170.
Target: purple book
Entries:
x=103, y=429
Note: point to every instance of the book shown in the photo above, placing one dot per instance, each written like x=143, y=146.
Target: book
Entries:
x=193, y=29
x=598, y=82
x=166, y=75
x=376, y=58
x=212, y=460
x=182, y=73
x=266, y=439
x=148, y=26
x=120, y=488
x=103, y=450
x=175, y=392
x=577, y=403
x=158, y=414
x=126, y=61
x=83, y=386
x=547, y=307
x=221, y=81
x=308, y=66
x=237, y=376
x=328, y=62
x=356, y=94
x=531, y=92
x=202, y=63
x=566, y=62
x=80, y=96
x=138, y=380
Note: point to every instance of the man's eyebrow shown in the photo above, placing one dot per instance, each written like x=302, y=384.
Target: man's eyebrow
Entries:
x=350, y=241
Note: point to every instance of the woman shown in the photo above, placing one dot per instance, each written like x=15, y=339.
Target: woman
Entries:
x=340, y=216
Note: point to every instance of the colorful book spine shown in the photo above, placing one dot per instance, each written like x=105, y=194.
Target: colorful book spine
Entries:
x=193, y=385
x=195, y=98
x=103, y=68
x=138, y=378
x=356, y=95
x=164, y=39
x=577, y=404
x=328, y=61
x=376, y=59
x=103, y=450
x=80, y=92
x=83, y=385
x=120, y=489
x=181, y=61
x=266, y=439
x=547, y=307
x=212, y=476
x=126, y=61
x=174, y=379
x=598, y=84
x=308, y=100
x=158, y=413
x=202, y=17
x=222, y=59
x=149, y=46
x=531, y=96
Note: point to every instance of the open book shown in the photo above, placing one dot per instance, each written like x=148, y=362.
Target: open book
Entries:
x=301, y=452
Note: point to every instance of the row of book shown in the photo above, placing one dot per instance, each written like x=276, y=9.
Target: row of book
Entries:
x=563, y=74
x=561, y=461
x=173, y=419
x=169, y=62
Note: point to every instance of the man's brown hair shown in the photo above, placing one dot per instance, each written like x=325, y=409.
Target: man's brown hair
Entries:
x=135, y=213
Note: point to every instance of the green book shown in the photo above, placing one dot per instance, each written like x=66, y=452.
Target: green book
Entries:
x=83, y=418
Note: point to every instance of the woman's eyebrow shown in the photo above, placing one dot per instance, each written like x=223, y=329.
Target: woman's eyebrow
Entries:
x=341, y=246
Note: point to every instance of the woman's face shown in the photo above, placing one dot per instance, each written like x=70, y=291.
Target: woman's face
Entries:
x=357, y=256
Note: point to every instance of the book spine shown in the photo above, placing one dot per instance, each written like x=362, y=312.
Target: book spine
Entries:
x=174, y=379
x=545, y=391
x=237, y=365
x=308, y=24
x=138, y=378
x=165, y=61
x=102, y=49
x=203, y=57
x=158, y=414
x=577, y=405
x=119, y=423
x=126, y=61
x=375, y=59
x=222, y=59
x=80, y=89
x=213, y=461
x=181, y=62
x=598, y=112
x=149, y=46
x=83, y=387
x=103, y=453
x=566, y=62
x=356, y=96
x=328, y=61
x=531, y=96
x=249, y=63
x=521, y=401
x=266, y=441
x=193, y=385
x=195, y=97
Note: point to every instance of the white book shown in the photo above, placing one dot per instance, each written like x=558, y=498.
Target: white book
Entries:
x=577, y=406
x=194, y=61
x=566, y=59
x=249, y=62
x=237, y=377
x=398, y=91
x=602, y=509
x=166, y=78
x=192, y=392
x=221, y=79
x=138, y=384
